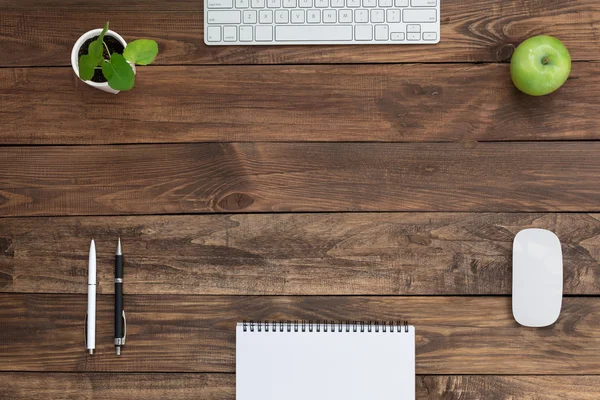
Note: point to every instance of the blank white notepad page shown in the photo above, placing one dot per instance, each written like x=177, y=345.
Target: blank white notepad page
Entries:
x=325, y=365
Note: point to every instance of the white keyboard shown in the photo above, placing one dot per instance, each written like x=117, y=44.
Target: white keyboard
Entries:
x=277, y=22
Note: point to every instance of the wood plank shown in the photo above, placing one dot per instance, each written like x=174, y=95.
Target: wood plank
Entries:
x=484, y=30
x=292, y=254
x=250, y=177
x=42, y=386
x=390, y=103
x=168, y=333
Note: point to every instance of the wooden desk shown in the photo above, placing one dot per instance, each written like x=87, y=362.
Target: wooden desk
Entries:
x=336, y=183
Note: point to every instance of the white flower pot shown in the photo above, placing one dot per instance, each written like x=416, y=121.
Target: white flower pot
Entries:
x=75, y=58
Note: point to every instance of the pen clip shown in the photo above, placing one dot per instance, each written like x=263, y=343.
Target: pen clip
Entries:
x=124, y=328
x=85, y=330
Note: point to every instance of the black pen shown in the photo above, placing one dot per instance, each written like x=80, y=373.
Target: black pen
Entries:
x=120, y=322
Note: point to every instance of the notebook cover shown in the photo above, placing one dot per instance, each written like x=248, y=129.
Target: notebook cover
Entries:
x=292, y=363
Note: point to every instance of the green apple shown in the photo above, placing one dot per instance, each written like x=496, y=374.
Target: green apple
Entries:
x=540, y=65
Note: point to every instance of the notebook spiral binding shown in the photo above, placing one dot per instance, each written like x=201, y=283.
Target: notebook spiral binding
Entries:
x=325, y=326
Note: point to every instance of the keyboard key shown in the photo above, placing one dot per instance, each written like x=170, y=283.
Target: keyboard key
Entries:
x=361, y=16
x=369, y=3
x=363, y=32
x=297, y=16
x=282, y=17
x=321, y=3
x=413, y=36
x=377, y=16
x=308, y=33
x=264, y=33
x=397, y=36
x=337, y=3
x=419, y=15
x=220, y=3
x=423, y=3
x=401, y=3
x=242, y=3
x=314, y=16
x=230, y=34
x=245, y=33
x=289, y=3
x=258, y=3
x=306, y=3
x=413, y=28
x=385, y=3
x=393, y=15
x=249, y=17
x=429, y=36
x=353, y=3
x=265, y=16
x=213, y=34
x=345, y=16
x=329, y=16
x=274, y=3
x=224, y=17
x=381, y=32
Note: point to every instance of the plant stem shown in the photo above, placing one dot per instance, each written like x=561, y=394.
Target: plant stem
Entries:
x=107, y=50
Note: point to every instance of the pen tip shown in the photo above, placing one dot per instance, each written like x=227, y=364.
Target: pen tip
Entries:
x=119, y=247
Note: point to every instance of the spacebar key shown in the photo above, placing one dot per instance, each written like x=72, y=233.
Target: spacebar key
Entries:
x=312, y=33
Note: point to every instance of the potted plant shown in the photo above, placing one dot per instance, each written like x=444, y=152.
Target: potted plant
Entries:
x=102, y=59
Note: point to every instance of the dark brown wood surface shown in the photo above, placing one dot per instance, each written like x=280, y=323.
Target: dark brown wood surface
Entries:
x=229, y=175
x=259, y=177
x=175, y=333
x=292, y=254
x=404, y=103
x=42, y=32
x=38, y=386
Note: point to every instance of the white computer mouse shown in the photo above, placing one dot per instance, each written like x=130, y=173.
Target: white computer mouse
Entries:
x=537, y=278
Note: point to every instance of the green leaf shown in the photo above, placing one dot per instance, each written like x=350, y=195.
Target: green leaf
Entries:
x=141, y=51
x=118, y=72
x=101, y=37
x=87, y=63
x=96, y=48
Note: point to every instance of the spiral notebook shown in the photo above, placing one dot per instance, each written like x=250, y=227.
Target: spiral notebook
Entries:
x=325, y=361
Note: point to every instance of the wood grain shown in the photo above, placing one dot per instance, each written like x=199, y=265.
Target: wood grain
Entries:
x=390, y=103
x=86, y=386
x=471, y=31
x=191, y=277
x=250, y=177
x=292, y=254
x=167, y=333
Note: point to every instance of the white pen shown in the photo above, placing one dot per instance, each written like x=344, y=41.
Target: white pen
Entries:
x=90, y=318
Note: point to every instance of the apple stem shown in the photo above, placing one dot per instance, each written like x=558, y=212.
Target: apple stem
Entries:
x=545, y=60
